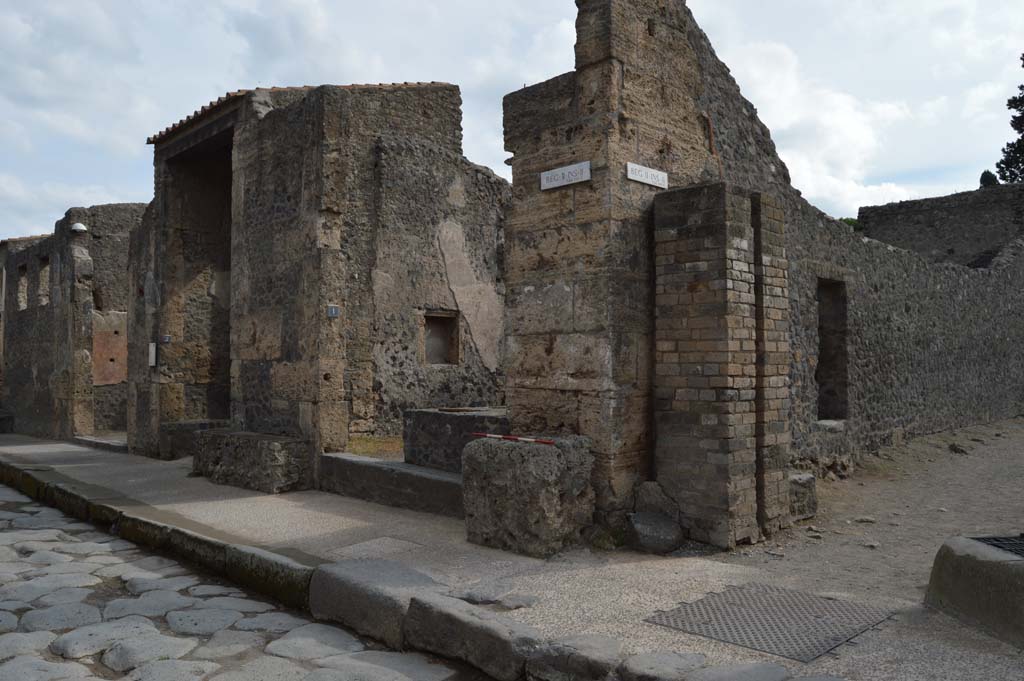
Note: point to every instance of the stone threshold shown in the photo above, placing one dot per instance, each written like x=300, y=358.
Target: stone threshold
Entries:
x=392, y=483
x=381, y=599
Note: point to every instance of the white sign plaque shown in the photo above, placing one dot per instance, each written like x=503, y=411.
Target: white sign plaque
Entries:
x=560, y=177
x=655, y=178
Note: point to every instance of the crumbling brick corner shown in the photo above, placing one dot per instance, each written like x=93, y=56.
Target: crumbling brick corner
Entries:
x=722, y=362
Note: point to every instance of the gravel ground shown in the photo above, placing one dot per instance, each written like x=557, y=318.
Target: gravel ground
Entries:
x=77, y=604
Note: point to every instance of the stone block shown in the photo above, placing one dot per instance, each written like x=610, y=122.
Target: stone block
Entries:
x=576, y=658
x=803, y=496
x=369, y=596
x=980, y=585
x=525, y=497
x=271, y=574
x=654, y=533
x=435, y=438
x=264, y=463
x=661, y=666
x=180, y=439
x=496, y=645
x=392, y=483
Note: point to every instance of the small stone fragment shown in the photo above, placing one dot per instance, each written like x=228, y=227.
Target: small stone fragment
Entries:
x=654, y=533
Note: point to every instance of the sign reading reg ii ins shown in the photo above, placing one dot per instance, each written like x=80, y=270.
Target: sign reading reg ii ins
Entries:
x=645, y=175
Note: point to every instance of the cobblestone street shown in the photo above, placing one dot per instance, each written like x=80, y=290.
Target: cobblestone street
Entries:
x=77, y=604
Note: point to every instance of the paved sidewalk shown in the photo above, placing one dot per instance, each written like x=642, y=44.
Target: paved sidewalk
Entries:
x=935, y=490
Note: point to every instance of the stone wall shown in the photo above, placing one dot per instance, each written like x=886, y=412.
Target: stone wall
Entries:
x=969, y=228
x=65, y=333
x=928, y=346
x=352, y=217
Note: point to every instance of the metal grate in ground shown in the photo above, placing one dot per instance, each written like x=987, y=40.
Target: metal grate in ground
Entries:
x=1014, y=545
x=791, y=624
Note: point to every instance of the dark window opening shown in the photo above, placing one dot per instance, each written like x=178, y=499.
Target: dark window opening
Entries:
x=441, y=337
x=97, y=300
x=832, y=372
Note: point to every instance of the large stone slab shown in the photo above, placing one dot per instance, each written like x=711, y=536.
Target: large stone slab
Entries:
x=96, y=638
x=435, y=438
x=529, y=498
x=130, y=653
x=181, y=439
x=264, y=463
x=393, y=483
x=980, y=585
x=446, y=626
x=369, y=596
x=315, y=641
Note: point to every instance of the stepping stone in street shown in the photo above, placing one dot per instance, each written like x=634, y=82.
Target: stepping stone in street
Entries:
x=228, y=643
x=138, y=585
x=95, y=638
x=62, y=596
x=34, y=669
x=8, y=621
x=231, y=603
x=150, y=604
x=174, y=670
x=202, y=622
x=315, y=641
x=60, y=617
x=266, y=668
x=276, y=622
x=130, y=653
x=15, y=644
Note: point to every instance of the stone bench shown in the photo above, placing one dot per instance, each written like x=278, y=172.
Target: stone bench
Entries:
x=435, y=438
x=264, y=463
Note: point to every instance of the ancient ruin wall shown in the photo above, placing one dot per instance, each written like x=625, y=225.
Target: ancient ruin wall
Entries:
x=65, y=361
x=929, y=346
x=409, y=232
x=969, y=228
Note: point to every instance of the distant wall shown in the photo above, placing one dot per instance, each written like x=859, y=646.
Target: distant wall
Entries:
x=65, y=348
x=969, y=228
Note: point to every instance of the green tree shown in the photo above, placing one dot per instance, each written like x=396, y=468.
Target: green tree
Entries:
x=989, y=179
x=1011, y=168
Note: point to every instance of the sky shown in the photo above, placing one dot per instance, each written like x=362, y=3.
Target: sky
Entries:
x=869, y=101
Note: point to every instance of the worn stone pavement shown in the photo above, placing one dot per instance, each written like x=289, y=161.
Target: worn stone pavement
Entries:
x=78, y=604
x=916, y=495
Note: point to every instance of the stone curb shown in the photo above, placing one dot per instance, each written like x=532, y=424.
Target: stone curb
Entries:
x=417, y=614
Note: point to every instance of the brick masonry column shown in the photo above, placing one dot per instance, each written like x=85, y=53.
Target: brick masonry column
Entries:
x=721, y=361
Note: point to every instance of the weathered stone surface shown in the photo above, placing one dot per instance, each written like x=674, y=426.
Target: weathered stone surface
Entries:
x=60, y=617
x=275, y=622
x=345, y=668
x=149, y=604
x=139, y=585
x=266, y=668
x=394, y=483
x=8, y=621
x=173, y=670
x=411, y=665
x=661, y=666
x=228, y=643
x=314, y=641
x=233, y=603
x=130, y=653
x=576, y=658
x=36, y=669
x=529, y=498
x=369, y=596
x=62, y=596
x=204, y=622
x=15, y=644
x=742, y=672
x=95, y=638
x=803, y=496
x=654, y=533
x=455, y=629
x=435, y=438
x=264, y=463
x=271, y=574
x=980, y=585
x=180, y=439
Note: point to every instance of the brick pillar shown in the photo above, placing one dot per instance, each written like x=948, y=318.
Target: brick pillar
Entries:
x=721, y=361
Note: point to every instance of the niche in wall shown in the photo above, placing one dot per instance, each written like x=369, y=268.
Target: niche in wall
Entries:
x=441, y=337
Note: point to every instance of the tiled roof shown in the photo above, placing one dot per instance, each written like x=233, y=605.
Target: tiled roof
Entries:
x=237, y=94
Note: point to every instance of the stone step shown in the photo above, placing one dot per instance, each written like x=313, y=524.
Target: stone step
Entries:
x=392, y=483
x=99, y=442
